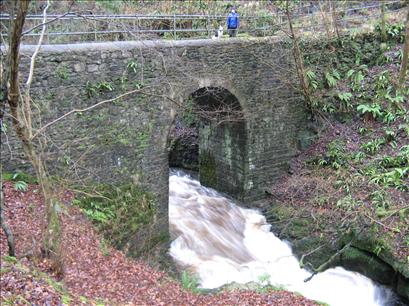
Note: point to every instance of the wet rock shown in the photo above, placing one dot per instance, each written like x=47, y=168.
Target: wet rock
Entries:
x=369, y=265
x=402, y=287
x=184, y=150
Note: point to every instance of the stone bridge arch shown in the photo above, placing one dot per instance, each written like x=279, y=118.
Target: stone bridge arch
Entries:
x=222, y=137
x=127, y=139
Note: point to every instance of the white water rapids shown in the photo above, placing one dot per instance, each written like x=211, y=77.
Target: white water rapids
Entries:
x=223, y=243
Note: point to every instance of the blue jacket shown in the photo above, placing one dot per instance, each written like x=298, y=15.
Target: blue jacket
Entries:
x=233, y=21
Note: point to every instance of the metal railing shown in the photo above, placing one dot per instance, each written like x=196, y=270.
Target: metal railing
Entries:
x=64, y=28
x=176, y=26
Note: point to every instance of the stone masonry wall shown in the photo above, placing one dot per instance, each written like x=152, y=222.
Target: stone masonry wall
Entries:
x=127, y=139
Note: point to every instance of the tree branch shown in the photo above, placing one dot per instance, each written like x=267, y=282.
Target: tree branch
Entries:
x=33, y=57
x=325, y=265
x=48, y=22
x=81, y=110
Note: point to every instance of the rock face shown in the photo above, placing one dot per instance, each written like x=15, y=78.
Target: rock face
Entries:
x=360, y=257
x=368, y=264
x=184, y=149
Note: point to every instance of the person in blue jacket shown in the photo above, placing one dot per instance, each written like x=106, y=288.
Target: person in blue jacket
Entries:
x=232, y=23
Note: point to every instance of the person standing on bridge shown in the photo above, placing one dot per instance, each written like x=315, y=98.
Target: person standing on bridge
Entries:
x=232, y=23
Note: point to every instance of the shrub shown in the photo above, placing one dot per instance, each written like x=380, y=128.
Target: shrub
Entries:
x=118, y=211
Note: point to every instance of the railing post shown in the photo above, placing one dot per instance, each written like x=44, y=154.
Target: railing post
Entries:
x=95, y=30
x=209, y=35
x=174, y=26
x=133, y=26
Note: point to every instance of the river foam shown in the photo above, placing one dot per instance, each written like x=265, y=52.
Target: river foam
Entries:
x=224, y=243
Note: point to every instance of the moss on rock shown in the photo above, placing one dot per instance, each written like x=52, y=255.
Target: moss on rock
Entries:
x=207, y=169
x=369, y=265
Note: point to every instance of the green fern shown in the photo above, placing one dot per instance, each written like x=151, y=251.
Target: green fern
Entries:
x=21, y=186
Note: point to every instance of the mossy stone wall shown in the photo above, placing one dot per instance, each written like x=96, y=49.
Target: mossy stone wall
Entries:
x=126, y=140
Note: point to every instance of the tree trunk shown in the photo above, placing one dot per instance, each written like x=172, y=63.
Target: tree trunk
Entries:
x=299, y=62
x=383, y=23
x=3, y=221
x=326, y=26
x=21, y=117
x=405, y=58
x=334, y=20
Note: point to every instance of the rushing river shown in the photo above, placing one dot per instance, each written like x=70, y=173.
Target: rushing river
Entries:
x=223, y=243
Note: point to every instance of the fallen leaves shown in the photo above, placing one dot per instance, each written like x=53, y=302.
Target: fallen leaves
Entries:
x=92, y=273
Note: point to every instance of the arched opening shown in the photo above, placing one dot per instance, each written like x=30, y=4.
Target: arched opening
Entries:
x=212, y=140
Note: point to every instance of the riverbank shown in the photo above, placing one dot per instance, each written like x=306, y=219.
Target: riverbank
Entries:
x=94, y=272
x=341, y=213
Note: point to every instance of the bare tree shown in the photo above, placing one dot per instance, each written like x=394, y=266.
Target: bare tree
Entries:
x=20, y=108
x=325, y=22
x=405, y=58
x=7, y=230
x=335, y=19
x=298, y=58
x=383, y=26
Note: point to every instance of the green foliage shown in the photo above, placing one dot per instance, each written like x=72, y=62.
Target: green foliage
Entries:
x=336, y=156
x=20, y=176
x=345, y=99
x=190, y=282
x=111, y=6
x=118, y=211
x=20, y=179
x=189, y=116
x=362, y=131
x=331, y=77
x=393, y=178
x=405, y=128
x=372, y=146
x=389, y=117
x=264, y=279
x=394, y=32
x=9, y=259
x=283, y=4
x=95, y=89
x=90, y=89
x=264, y=284
x=104, y=86
x=324, y=105
x=380, y=199
x=95, y=211
x=348, y=203
x=399, y=55
x=3, y=127
x=66, y=300
x=104, y=247
x=382, y=80
x=373, y=111
x=378, y=248
x=359, y=156
x=344, y=96
x=312, y=79
x=390, y=135
x=390, y=171
x=62, y=72
x=356, y=76
x=133, y=66
x=20, y=186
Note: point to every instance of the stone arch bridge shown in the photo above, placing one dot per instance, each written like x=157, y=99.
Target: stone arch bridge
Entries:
x=128, y=138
